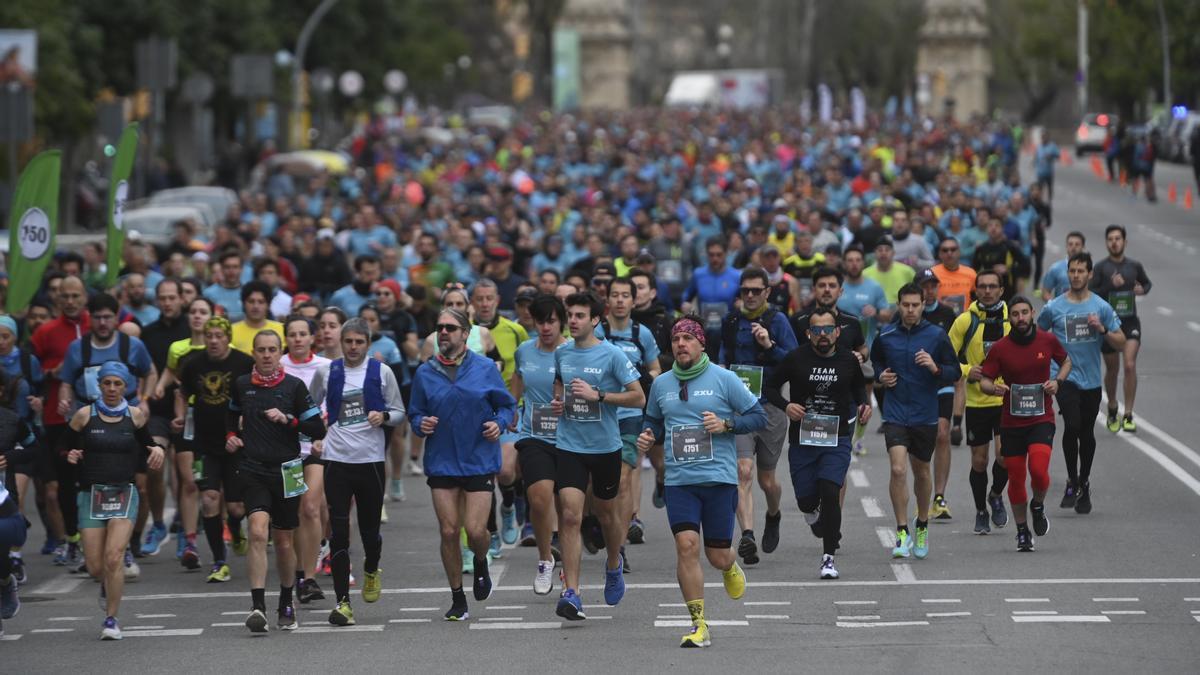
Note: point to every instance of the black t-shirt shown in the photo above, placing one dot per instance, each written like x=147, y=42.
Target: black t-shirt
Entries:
x=824, y=385
x=268, y=444
x=851, y=336
x=211, y=383
x=158, y=337
x=941, y=315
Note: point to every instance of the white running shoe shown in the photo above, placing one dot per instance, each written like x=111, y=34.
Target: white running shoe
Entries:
x=323, y=553
x=132, y=569
x=383, y=517
x=828, y=571
x=415, y=469
x=543, y=583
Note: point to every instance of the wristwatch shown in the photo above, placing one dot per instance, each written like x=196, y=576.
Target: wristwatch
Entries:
x=601, y=395
x=728, y=426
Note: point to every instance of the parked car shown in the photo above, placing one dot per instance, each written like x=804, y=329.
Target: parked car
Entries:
x=1092, y=131
x=214, y=200
x=1177, y=139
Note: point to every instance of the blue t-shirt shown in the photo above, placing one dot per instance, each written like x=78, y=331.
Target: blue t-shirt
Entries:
x=145, y=315
x=385, y=347
x=716, y=390
x=1056, y=281
x=11, y=365
x=360, y=241
x=1068, y=321
x=537, y=373
x=856, y=296
x=624, y=340
x=605, y=367
x=349, y=300
x=85, y=376
x=229, y=298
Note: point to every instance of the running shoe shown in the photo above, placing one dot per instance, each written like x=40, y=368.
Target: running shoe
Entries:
x=310, y=591
x=637, y=532
x=1041, y=524
x=904, y=545
x=771, y=533
x=1128, y=424
x=458, y=611
x=999, y=513
x=570, y=606
x=80, y=567
x=494, y=550
x=1083, y=505
x=74, y=553
x=527, y=537
x=508, y=525
x=383, y=516
x=155, y=538
x=132, y=569
x=748, y=549
x=940, y=510
x=51, y=546
x=10, y=601
x=287, y=618
x=1070, y=496
x=555, y=549
x=625, y=562
x=735, y=581
x=191, y=557
x=18, y=567
x=921, y=543
x=697, y=637
x=240, y=544
x=814, y=522
x=111, y=629
x=1113, y=422
x=342, y=615
x=1024, y=541
x=398, y=490
x=828, y=570
x=659, y=498
x=324, y=563
x=543, y=581
x=468, y=558
x=956, y=435
x=180, y=545
x=372, y=585
x=982, y=526
x=257, y=621
x=482, y=587
x=60, y=555
x=614, y=585
x=593, y=536
x=219, y=574
x=414, y=468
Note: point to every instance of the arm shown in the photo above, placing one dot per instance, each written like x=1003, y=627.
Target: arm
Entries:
x=307, y=417
x=391, y=395
x=409, y=346
x=417, y=404
x=1143, y=280
x=632, y=397
x=949, y=371
x=751, y=420
x=773, y=387
x=784, y=337
x=427, y=347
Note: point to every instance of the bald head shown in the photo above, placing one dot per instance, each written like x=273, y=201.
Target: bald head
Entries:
x=73, y=296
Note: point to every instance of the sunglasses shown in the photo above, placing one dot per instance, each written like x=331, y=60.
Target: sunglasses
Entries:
x=448, y=328
x=601, y=282
x=749, y=290
x=683, y=396
x=822, y=330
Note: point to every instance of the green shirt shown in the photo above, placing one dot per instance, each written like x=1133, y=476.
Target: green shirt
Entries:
x=892, y=280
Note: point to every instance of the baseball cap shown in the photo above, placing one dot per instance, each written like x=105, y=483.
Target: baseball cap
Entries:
x=927, y=275
x=325, y=233
x=526, y=295
x=604, y=270
x=500, y=252
x=885, y=240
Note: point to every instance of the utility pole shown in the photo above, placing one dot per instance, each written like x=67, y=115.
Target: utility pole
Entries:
x=1081, y=77
x=1168, y=99
x=310, y=26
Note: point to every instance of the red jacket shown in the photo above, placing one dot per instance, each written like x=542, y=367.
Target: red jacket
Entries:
x=50, y=342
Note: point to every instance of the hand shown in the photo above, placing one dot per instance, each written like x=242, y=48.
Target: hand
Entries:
x=645, y=440
x=887, y=378
x=712, y=423
x=924, y=360
x=64, y=408
x=158, y=394
x=1138, y=289
x=864, y=413
x=583, y=390
x=145, y=408
x=74, y=456
x=155, y=461
x=375, y=418
x=35, y=404
x=556, y=407
x=975, y=374
x=999, y=389
x=491, y=431
x=858, y=355
x=378, y=356
x=869, y=311
x=1094, y=322
x=233, y=444
x=428, y=424
x=1118, y=280
x=318, y=447
x=275, y=415
x=794, y=411
x=1051, y=386
x=761, y=336
x=177, y=424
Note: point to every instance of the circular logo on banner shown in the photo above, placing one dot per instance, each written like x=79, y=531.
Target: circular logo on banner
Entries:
x=33, y=234
x=119, y=196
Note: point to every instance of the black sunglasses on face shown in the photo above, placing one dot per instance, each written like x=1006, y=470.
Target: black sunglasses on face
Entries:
x=748, y=290
x=448, y=327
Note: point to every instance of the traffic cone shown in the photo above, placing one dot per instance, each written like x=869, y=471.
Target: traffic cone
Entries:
x=1065, y=158
x=1097, y=167
x=1172, y=194
x=1187, y=199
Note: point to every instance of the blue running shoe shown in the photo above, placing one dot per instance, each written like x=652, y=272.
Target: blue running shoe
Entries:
x=155, y=538
x=570, y=607
x=180, y=545
x=999, y=513
x=519, y=505
x=508, y=525
x=50, y=545
x=614, y=584
x=10, y=601
x=527, y=536
x=494, y=548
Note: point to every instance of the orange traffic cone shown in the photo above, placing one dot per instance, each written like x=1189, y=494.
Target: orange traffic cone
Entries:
x=1065, y=158
x=1172, y=194
x=1187, y=199
x=1097, y=167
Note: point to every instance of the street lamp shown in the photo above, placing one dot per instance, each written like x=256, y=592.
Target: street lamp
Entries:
x=310, y=26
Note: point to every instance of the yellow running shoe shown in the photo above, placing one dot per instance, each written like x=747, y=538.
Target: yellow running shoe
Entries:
x=342, y=615
x=372, y=586
x=698, y=637
x=735, y=581
x=219, y=574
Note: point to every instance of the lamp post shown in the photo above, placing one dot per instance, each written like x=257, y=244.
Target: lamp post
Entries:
x=310, y=26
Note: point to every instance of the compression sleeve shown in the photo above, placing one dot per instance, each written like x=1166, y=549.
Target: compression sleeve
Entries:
x=753, y=419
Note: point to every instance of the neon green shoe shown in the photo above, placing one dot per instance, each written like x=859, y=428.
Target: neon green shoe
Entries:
x=697, y=637
x=220, y=574
x=735, y=581
x=342, y=615
x=1113, y=423
x=372, y=586
x=904, y=545
x=1128, y=424
x=921, y=549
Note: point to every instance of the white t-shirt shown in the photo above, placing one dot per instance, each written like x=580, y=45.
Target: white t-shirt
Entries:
x=281, y=305
x=306, y=371
x=352, y=439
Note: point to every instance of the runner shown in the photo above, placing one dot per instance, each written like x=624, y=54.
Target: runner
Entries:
x=107, y=439
x=1003, y=256
x=942, y=316
x=462, y=456
x=1082, y=321
x=972, y=335
x=23, y=377
x=1120, y=280
x=533, y=385
x=712, y=291
x=592, y=378
x=955, y=285
x=273, y=409
x=18, y=447
x=206, y=385
x=362, y=400
x=256, y=305
x=828, y=396
x=754, y=339
x=1022, y=359
x=696, y=409
x=913, y=358
x=302, y=362
x=1057, y=281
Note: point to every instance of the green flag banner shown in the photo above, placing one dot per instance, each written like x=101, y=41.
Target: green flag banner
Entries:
x=118, y=192
x=33, y=220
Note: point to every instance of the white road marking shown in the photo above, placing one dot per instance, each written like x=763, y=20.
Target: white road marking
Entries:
x=418, y=609
x=142, y=627
x=497, y=571
x=1170, y=440
x=1065, y=618
x=767, y=603
x=879, y=624
x=502, y=618
x=858, y=478
x=70, y=618
x=859, y=617
x=904, y=573
x=940, y=601
x=1115, y=600
x=371, y=628
x=227, y=624
x=1165, y=311
x=1035, y=613
x=598, y=618
x=673, y=616
x=490, y=607
x=52, y=630
x=1192, y=325
x=60, y=585
x=855, y=602
x=688, y=623
x=156, y=616
x=409, y=620
x=945, y=615
x=1165, y=462
x=548, y=625
x=887, y=536
x=177, y=632
x=1197, y=618
x=10, y=638
x=672, y=604
x=1191, y=599
x=1123, y=612
x=236, y=613
x=1027, y=599
x=779, y=617
x=871, y=507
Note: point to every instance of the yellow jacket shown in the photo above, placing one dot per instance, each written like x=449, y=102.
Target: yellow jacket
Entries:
x=975, y=352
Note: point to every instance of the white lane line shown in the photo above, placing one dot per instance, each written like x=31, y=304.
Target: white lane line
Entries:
x=767, y=603
x=859, y=617
x=778, y=617
x=501, y=618
x=417, y=609
x=1170, y=440
x=10, y=638
x=1115, y=600
x=879, y=624
x=941, y=601
x=858, y=478
x=1165, y=462
x=52, y=630
x=241, y=613
x=70, y=618
x=490, y=607
x=1192, y=325
x=1195, y=611
x=60, y=585
x=855, y=602
x=177, y=632
x=142, y=627
x=672, y=604
x=528, y=626
x=598, y=618
x=409, y=620
x=1035, y=613
x=1124, y=612
x=946, y=615
x=1027, y=599
x=673, y=616
x=871, y=507
x=162, y=616
x=360, y=628
x=227, y=624
x=904, y=573
x=686, y=623
x=1197, y=618
x=1191, y=599
x=887, y=536
x=1165, y=311
x=1065, y=618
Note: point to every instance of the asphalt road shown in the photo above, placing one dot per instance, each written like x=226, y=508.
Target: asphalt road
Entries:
x=1113, y=591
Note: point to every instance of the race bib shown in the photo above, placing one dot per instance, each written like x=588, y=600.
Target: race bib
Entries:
x=293, y=478
x=354, y=409
x=691, y=443
x=189, y=425
x=806, y=288
x=670, y=271
x=751, y=376
x=1122, y=302
x=956, y=301
x=111, y=501
x=1026, y=400
x=1078, y=330
x=713, y=313
x=819, y=430
x=543, y=423
x=578, y=410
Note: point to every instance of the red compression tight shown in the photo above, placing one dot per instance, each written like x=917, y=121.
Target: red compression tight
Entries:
x=1039, y=472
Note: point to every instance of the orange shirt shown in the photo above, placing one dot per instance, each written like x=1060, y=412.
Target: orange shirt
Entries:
x=954, y=288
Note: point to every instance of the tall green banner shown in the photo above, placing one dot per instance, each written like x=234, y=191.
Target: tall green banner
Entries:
x=118, y=192
x=31, y=226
